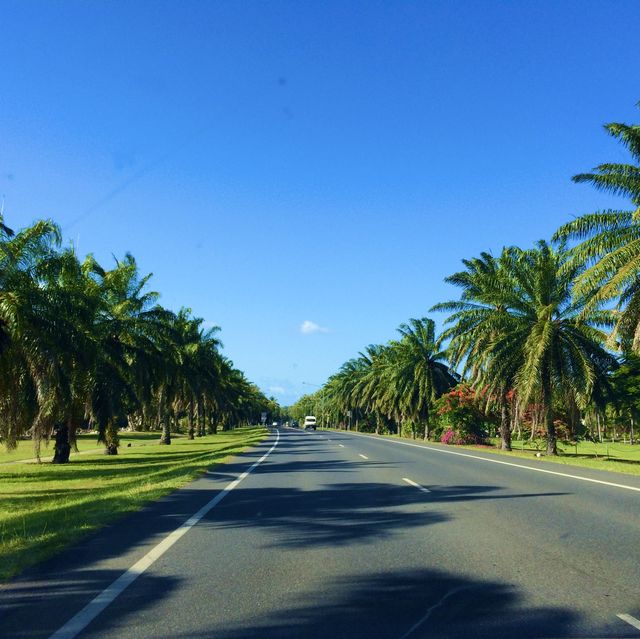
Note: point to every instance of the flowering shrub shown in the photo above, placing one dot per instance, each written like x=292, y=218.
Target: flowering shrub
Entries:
x=460, y=416
x=451, y=437
x=447, y=437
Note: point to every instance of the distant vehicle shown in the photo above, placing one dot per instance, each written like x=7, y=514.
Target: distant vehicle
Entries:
x=294, y=424
x=310, y=422
x=274, y=424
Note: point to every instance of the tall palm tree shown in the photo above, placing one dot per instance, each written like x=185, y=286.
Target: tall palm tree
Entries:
x=535, y=333
x=135, y=347
x=419, y=371
x=610, y=241
x=29, y=334
x=478, y=321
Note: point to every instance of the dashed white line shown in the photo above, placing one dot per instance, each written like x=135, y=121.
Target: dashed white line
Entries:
x=431, y=449
x=363, y=456
x=413, y=483
x=341, y=445
x=632, y=621
x=82, y=619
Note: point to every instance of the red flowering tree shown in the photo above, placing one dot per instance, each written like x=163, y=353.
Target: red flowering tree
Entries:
x=460, y=416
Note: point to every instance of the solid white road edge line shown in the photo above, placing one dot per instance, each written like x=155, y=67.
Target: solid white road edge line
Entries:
x=504, y=463
x=83, y=618
x=632, y=621
x=413, y=483
x=363, y=456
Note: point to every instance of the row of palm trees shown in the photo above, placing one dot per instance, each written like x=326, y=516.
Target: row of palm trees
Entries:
x=544, y=327
x=84, y=345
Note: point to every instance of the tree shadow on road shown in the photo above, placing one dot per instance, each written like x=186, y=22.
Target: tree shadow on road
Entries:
x=30, y=609
x=342, y=513
x=406, y=605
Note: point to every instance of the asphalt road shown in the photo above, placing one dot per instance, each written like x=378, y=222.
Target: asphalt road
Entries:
x=343, y=535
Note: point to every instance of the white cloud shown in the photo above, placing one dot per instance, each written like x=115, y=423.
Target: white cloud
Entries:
x=307, y=327
x=277, y=390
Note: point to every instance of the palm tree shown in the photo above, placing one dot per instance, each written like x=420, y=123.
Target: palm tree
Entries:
x=610, y=241
x=478, y=321
x=533, y=332
x=29, y=334
x=135, y=349
x=419, y=373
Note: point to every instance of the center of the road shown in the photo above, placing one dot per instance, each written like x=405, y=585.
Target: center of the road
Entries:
x=81, y=620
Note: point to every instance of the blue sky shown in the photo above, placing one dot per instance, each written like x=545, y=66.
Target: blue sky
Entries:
x=306, y=174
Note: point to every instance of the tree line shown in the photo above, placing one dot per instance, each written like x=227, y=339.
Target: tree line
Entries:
x=82, y=345
x=547, y=337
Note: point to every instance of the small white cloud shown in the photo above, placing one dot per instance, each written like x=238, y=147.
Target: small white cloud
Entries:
x=277, y=389
x=307, y=327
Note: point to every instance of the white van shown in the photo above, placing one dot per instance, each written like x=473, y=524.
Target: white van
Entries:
x=310, y=422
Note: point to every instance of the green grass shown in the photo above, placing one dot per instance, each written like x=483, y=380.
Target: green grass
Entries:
x=46, y=507
x=611, y=456
x=25, y=449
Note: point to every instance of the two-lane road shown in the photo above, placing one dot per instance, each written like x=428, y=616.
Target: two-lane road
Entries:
x=344, y=535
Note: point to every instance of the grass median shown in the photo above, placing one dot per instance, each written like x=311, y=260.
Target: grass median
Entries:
x=46, y=507
x=86, y=442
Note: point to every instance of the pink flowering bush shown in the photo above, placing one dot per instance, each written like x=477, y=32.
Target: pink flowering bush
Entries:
x=448, y=437
x=451, y=437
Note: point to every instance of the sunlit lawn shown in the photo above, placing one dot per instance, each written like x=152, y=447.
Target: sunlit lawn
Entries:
x=25, y=449
x=44, y=507
x=613, y=456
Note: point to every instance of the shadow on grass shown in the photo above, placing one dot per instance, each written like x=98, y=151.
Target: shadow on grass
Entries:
x=120, y=465
x=37, y=523
x=399, y=605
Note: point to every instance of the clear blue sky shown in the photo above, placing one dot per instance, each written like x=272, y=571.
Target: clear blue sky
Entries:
x=275, y=163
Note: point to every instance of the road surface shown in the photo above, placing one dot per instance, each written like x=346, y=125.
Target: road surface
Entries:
x=343, y=535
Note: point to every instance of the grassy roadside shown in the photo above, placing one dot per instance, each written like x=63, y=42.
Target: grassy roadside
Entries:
x=613, y=457
x=24, y=450
x=45, y=507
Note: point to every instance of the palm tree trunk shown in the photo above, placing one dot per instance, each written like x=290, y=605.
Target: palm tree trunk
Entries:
x=191, y=422
x=165, y=438
x=214, y=422
x=200, y=417
x=176, y=422
x=110, y=438
x=62, y=449
x=426, y=424
x=505, y=424
x=547, y=407
x=209, y=418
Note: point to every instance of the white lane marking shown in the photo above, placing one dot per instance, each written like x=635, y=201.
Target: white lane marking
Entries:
x=413, y=483
x=341, y=445
x=428, y=613
x=630, y=620
x=83, y=618
x=504, y=463
x=363, y=456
